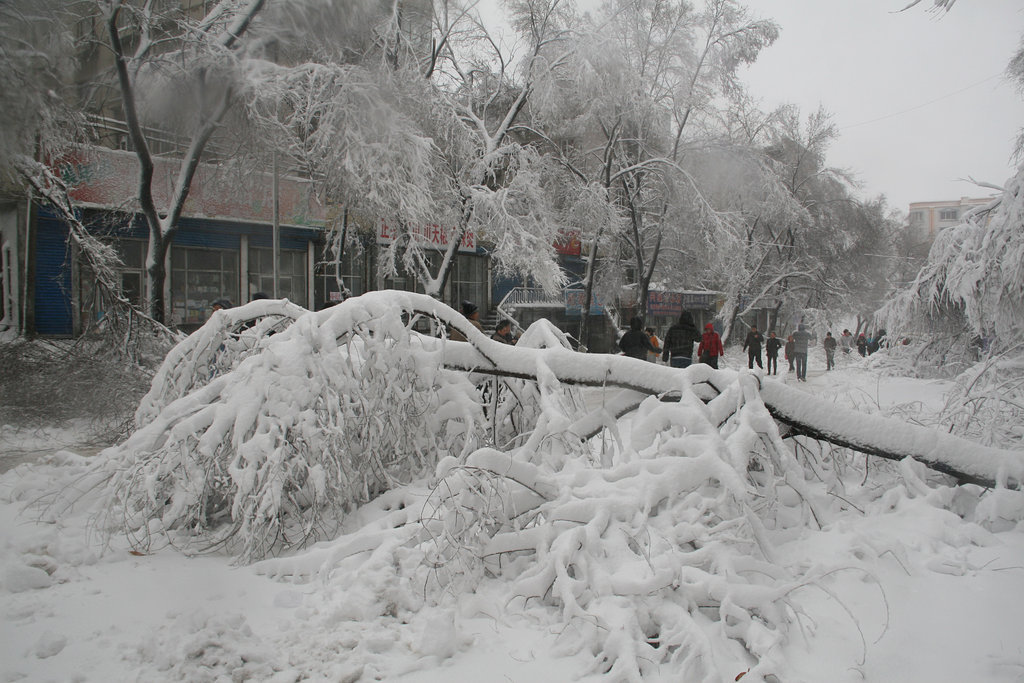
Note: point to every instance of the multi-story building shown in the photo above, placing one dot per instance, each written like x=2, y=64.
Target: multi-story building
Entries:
x=927, y=218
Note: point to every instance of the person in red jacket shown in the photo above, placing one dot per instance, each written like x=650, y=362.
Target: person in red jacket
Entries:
x=710, y=348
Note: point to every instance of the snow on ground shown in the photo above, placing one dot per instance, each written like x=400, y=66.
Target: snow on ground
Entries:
x=922, y=597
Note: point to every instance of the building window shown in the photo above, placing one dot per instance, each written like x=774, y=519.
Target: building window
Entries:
x=350, y=270
x=133, y=274
x=469, y=281
x=291, y=274
x=132, y=279
x=916, y=217
x=198, y=278
x=948, y=214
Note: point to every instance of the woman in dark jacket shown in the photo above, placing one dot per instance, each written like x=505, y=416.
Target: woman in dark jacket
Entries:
x=636, y=343
x=790, y=349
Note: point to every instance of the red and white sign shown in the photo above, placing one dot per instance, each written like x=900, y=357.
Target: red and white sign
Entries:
x=429, y=236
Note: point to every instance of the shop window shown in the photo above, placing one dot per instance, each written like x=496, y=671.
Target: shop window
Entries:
x=291, y=274
x=198, y=278
x=350, y=269
x=132, y=279
x=469, y=280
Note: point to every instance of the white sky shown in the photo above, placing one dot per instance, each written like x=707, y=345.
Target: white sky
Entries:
x=921, y=99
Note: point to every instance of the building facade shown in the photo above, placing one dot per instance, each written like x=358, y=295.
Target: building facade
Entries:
x=925, y=219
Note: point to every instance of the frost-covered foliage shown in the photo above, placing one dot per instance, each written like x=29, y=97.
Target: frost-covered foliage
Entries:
x=647, y=543
x=653, y=549
x=326, y=414
x=987, y=402
x=975, y=270
x=230, y=336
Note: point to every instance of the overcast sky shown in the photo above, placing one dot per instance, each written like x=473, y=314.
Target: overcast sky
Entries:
x=920, y=99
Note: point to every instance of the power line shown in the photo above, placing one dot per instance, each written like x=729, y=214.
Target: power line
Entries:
x=922, y=106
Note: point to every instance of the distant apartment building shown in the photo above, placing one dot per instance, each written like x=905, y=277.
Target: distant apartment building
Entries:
x=927, y=218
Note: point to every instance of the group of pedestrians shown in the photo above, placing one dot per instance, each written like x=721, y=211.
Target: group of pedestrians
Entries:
x=677, y=349
x=795, y=349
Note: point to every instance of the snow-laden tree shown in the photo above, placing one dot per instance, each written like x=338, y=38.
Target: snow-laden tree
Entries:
x=795, y=234
x=650, y=77
x=963, y=312
x=644, y=542
x=39, y=124
x=494, y=184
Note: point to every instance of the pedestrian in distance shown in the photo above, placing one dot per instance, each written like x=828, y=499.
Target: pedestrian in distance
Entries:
x=846, y=342
x=801, y=338
x=862, y=344
x=472, y=314
x=655, y=342
x=221, y=304
x=830, y=351
x=790, y=344
x=503, y=333
x=710, y=349
x=752, y=345
x=635, y=343
x=771, y=352
x=679, y=341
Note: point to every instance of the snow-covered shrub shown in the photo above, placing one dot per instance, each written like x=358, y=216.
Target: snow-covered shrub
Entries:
x=227, y=337
x=318, y=418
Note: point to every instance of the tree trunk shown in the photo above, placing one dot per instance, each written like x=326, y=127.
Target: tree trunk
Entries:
x=157, y=273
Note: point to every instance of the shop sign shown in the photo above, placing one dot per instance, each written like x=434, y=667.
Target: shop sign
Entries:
x=428, y=236
x=568, y=243
x=574, y=303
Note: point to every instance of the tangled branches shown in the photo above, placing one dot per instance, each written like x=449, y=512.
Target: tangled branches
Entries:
x=306, y=425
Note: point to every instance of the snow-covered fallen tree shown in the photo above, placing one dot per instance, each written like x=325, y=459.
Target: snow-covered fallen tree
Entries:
x=450, y=465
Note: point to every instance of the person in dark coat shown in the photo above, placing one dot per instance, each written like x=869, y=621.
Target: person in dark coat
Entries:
x=830, y=351
x=677, y=348
x=771, y=352
x=710, y=349
x=789, y=350
x=801, y=338
x=752, y=345
x=862, y=344
x=636, y=343
x=472, y=314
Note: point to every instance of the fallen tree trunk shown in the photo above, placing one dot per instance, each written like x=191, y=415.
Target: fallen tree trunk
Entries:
x=803, y=413
x=969, y=462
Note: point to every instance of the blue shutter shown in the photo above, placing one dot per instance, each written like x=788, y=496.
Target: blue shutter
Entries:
x=53, y=278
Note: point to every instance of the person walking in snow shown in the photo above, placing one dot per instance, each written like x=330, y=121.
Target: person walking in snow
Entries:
x=830, y=351
x=752, y=345
x=771, y=352
x=710, y=349
x=862, y=344
x=789, y=351
x=636, y=343
x=801, y=338
x=846, y=342
x=679, y=341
